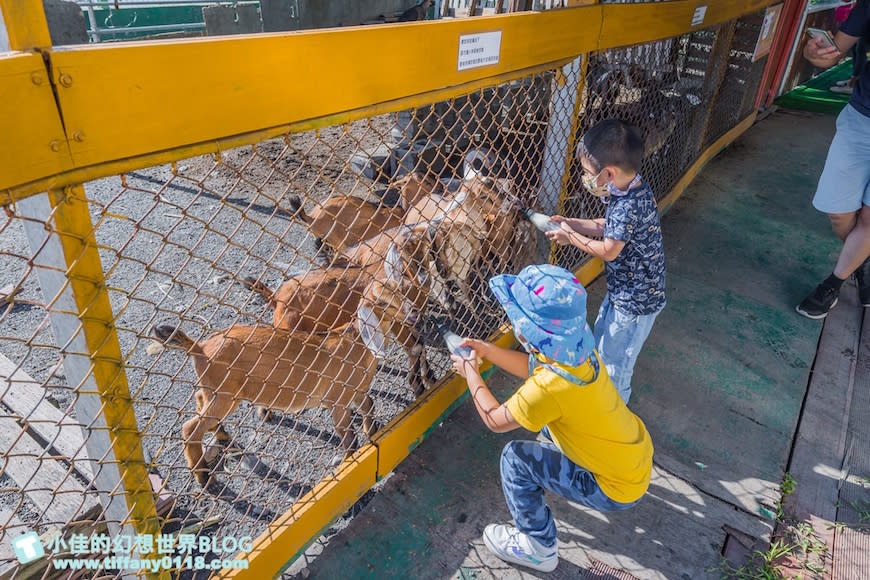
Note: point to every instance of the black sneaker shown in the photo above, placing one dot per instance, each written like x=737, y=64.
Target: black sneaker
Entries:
x=862, y=277
x=817, y=304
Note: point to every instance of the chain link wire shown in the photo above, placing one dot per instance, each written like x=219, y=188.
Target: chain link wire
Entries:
x=277, y=304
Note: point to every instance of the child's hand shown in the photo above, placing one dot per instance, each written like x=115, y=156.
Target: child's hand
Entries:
x=480, y=347
x=465, y=367
x=562, y=236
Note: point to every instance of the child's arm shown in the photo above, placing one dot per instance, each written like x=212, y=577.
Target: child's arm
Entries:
x=511, y=361
x=593, y=228
x=495, y=416
x=607, y=249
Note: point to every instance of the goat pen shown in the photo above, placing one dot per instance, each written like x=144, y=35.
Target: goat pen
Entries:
x=175, y=206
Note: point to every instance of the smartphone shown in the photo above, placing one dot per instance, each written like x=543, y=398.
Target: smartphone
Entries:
x=823, y=34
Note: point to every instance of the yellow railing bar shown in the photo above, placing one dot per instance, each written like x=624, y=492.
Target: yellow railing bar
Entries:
x=75, y=232
x=84, y=174
x=25, y=24
x=275, y=89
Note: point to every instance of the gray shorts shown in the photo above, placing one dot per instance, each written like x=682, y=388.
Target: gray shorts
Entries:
x=845, y=181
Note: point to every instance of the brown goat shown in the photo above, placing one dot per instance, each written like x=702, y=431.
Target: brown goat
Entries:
x=345, y=220
x=475, y=224
x=327, y=298
x=317, y=300
x=277, y=369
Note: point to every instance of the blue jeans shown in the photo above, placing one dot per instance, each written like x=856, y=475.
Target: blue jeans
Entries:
x=530, y=467
x=618, y=339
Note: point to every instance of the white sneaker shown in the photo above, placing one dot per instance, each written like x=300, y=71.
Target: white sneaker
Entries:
x=511, y=545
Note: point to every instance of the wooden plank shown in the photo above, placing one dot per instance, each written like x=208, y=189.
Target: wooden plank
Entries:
x=819, y=450
x=852, y=554
x=10, y=527
x=42, y=479
x=26, y=398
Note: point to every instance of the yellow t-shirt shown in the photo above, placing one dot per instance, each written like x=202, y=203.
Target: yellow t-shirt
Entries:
x=591, y=425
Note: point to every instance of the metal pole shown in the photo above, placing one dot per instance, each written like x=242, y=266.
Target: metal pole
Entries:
x=4, y=37
x=92, y=18
x=65, y=257
x=563, y=105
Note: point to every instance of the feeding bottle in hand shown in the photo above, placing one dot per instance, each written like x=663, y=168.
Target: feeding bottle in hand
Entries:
x=541, y=221
x=454, y=343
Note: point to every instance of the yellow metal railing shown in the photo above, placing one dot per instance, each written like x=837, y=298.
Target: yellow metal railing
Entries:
x=78, y=114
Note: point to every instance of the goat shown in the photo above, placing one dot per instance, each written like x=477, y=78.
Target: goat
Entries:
x=275, y=368
x=326, y=298
x=415, y=13
x=476, y=223
x=345, y=220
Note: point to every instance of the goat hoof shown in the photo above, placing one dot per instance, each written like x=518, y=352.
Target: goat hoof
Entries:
x=264, y=413
x=336, y=461
x=372, y=429
x=203, y=477
x=419, y=390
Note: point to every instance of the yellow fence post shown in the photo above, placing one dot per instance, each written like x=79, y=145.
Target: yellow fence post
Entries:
x=61, y=235
x=25, y=24
x=577, y=86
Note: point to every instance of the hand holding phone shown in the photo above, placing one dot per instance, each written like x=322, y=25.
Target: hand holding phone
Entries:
x=824, y=35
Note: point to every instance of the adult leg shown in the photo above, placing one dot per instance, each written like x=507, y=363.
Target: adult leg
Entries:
x=843, y=223
x=856, y=245
x=843, y=193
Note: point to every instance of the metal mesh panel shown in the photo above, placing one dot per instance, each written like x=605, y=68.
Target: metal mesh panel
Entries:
x=739, y=87
x=276, y=304
x=659, y=88
x=46, y=474
x=305, y=275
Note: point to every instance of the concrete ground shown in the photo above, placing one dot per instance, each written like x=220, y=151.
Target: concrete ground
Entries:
x=724, y=387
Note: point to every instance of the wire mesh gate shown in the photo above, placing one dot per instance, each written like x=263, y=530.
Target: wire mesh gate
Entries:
x=231, y=329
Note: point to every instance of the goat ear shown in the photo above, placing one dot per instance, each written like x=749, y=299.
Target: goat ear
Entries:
x=370, y=331
x=393, y=264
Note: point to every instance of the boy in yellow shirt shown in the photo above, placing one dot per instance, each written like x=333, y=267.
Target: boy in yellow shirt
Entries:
x=597, y=453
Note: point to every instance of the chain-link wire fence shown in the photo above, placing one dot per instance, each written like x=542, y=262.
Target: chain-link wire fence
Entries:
x=277, y=304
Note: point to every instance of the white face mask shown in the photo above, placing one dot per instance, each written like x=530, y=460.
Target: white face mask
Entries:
x=591, y=185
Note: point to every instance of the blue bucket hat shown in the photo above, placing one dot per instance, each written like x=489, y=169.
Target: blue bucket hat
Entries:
x=546, y=304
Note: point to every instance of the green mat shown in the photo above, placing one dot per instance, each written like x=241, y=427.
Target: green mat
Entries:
x=814, y=95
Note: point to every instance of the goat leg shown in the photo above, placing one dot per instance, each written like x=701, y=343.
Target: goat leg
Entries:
x=342, y=417
x=207, y=419
x=193, y=430
x=419, y=371
x=264, y=413
x=256, y=286
x=366, y=407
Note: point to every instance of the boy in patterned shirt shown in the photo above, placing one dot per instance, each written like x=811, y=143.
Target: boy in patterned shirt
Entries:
x=611, y=153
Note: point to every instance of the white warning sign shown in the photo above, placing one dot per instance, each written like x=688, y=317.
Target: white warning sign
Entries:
x=476, y=50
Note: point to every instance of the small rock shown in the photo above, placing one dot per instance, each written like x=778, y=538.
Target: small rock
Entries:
x=7, y=292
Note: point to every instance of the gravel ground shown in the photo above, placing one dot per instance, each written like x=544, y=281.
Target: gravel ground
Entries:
x=175, y=240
